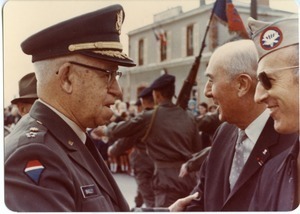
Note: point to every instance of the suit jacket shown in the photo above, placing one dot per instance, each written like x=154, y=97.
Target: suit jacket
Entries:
x=48, y=168
x=278, y=184
x=214, y=188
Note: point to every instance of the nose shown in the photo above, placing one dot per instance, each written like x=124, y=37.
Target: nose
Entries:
x=261, y=93
x=115, y=89
x=207, y=90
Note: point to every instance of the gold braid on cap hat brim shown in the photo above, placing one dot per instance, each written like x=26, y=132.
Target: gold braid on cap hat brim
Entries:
x=96, y=45
x=112, y=54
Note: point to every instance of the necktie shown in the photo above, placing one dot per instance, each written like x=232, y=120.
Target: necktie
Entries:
x=238, y=159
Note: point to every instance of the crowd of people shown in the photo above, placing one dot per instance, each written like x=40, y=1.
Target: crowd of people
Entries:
x=240, y=154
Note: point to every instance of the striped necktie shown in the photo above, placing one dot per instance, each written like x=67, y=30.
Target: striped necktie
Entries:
x=238, y=159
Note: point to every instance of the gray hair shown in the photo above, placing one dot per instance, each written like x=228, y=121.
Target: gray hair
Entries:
x=45, y=74
x=238, y=57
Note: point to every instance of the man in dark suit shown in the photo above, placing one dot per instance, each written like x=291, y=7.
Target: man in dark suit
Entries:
x=50, y=163
x=229, y=174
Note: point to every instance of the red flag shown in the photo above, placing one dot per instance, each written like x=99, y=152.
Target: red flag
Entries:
x=228, y=15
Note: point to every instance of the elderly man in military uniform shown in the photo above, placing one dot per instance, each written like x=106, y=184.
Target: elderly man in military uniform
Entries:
x=50, y=162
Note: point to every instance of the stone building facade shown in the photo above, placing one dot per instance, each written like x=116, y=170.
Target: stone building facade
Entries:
x=172, y=42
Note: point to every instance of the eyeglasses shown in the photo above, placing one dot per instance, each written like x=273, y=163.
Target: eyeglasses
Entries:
x=110, y=74
x=265, y=80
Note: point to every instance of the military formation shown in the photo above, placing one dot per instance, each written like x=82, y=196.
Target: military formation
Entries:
x=248, y=161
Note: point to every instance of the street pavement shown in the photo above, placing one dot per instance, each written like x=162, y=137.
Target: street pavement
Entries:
x=128, y=187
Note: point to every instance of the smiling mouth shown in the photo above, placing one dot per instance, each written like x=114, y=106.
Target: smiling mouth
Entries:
x=272, y=109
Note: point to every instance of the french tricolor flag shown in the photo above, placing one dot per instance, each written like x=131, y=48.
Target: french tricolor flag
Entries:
x=34, y=169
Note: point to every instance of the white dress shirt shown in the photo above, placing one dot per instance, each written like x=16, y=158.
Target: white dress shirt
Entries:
x=253, y=132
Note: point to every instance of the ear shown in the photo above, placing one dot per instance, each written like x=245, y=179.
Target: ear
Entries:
x=64, y=74
x=244, y=84
x=155, y=94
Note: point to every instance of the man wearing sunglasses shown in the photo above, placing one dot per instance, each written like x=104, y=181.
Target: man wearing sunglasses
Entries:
x=278, y=72
x=50, y=162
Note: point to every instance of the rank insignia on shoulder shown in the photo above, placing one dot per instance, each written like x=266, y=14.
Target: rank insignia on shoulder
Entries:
x=34, y=129
x=34, y=170
x=32, y=133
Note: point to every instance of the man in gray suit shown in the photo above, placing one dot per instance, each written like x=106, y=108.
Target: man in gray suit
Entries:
x=229, y=174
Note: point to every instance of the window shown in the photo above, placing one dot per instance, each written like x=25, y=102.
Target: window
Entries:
x=163, y=46
x=141, y=52
x=190, y=40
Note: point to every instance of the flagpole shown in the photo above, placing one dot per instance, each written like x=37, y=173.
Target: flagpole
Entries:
x=188, y=84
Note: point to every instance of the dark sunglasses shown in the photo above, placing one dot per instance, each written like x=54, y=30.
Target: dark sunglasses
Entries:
x=111, y=74
x=265, y=80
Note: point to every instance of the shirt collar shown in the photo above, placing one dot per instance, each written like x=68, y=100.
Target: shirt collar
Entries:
x=81, y=134
x=254, y=130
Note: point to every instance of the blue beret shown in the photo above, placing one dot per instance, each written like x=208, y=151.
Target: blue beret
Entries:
x=163, y=81
x=94, y=34
x=146, y=92
x=138, y=102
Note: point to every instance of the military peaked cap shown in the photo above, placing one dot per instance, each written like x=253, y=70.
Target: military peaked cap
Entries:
x=94, y=34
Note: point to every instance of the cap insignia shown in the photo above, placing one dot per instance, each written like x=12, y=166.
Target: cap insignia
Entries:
x=119, y=21
x=271, y=38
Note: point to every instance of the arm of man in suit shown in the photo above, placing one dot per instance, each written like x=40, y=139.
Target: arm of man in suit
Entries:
x=194, y=164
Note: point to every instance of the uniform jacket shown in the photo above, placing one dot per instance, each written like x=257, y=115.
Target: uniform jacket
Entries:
x=214, y=185
x=173, y=138
x=48, y=168
x=278, y=183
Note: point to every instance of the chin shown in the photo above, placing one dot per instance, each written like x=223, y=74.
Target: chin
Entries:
x=104, y=118
x=285, y=128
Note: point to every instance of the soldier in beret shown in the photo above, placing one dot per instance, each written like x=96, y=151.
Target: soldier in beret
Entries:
x=50, y=162
x=140, y=161
x=27, y=93
x=277, y=44
x=171, y=137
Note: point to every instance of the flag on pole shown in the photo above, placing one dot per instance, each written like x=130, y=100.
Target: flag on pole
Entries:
x=160, y=35
x=228, y=15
